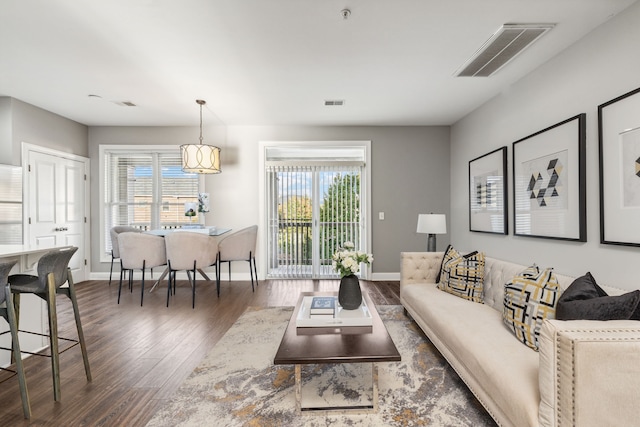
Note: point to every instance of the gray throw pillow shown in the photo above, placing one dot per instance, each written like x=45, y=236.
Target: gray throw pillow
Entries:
x=584, y=299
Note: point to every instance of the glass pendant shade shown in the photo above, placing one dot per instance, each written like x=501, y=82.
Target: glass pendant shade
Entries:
x=200, y=158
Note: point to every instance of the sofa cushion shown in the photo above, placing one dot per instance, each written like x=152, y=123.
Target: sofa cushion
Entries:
x=468, y=335
x=584, y=299
x=529, y=299
x=463, y=276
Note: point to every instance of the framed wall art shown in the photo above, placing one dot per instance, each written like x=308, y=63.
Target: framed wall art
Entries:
x=549, y=182
x=488, y=193
x=619, y=143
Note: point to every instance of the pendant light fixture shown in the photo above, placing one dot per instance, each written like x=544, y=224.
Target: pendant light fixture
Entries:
x=200, y=158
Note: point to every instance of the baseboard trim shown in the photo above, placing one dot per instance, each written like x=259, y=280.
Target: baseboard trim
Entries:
x=385, y=277
x=243, y=276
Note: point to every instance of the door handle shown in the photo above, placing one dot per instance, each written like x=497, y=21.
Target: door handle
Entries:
x=60, y=229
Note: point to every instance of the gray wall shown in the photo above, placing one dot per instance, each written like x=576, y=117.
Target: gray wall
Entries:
x=5, y=131
x=409, y=176
x=21, y=122
x=598, y=68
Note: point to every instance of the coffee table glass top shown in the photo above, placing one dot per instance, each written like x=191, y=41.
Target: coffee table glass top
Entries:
x=353, y=345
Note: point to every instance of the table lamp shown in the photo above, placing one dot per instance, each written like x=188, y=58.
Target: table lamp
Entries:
x=432, y=224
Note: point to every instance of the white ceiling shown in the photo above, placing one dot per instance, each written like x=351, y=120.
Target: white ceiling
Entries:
x=270, y=62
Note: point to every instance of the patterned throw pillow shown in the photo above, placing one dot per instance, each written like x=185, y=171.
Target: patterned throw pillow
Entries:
x=463, y=276
x=529, y=298
x=449, y=254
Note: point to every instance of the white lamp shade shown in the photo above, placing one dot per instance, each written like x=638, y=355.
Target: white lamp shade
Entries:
x=200, y=158
x=432, y=224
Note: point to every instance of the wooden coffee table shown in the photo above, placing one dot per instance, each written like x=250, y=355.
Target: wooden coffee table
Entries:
x=335, y=345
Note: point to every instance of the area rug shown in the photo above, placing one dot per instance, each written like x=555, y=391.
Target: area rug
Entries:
x=236, y=384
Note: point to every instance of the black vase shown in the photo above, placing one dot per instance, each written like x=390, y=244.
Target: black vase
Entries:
x=349, y=294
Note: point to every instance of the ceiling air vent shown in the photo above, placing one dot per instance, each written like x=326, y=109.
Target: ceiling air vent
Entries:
x=334, y=102
x=502, y=47
x=124, y=103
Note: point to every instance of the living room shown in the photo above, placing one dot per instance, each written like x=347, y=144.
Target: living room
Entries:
x=416, y=168
x=575, y=81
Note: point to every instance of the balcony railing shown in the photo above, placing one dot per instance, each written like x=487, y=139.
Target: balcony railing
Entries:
x=293, y=255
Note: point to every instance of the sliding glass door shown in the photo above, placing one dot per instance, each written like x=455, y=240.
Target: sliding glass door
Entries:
x=313, y=206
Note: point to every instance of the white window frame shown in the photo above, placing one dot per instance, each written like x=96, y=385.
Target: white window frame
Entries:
x=103, y=149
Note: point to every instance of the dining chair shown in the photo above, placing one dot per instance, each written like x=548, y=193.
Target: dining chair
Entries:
x=239, y=246
x=53, y=272
x=8, y=312
x=189, y=252
x=115, y=250
x=139, y=251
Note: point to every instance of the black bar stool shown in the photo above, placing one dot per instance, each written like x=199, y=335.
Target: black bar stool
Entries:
x=7, y=311
x=53, y=272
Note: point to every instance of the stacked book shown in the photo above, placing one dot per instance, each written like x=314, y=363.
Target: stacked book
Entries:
x=322, y=307
x=325, y=311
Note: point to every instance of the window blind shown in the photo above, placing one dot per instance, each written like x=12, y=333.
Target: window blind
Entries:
x=312, y=211
x=146, y=191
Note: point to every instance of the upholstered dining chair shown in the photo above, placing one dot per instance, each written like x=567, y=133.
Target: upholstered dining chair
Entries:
x=189, y=252
x=139, y=251
x=115, y=250
x=8, y=312
x=239, y=246
x=53, y=273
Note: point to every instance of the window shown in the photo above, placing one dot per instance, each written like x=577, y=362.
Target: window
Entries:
x=146, y=189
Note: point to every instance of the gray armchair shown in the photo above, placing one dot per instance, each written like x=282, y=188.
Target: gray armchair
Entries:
x=139, y=251
x=190, y=252
x=115, y=250
x=239, y=246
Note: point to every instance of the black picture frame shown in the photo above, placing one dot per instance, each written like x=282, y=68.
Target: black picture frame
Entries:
x=619, y=167
x=488, y=193
x=549, y=182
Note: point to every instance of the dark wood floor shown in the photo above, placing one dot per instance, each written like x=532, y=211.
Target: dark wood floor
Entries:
x=140, y=355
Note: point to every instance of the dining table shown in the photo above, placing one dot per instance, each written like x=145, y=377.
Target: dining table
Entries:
x=210, y=230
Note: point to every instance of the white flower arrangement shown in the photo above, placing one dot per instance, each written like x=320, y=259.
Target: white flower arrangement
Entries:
x=346, y=261
x=203, y=202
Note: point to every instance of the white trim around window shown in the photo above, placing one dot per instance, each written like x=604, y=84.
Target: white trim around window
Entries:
x=105, y=149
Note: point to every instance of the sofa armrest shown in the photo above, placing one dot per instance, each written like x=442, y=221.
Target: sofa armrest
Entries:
x=589, y=373
x=419, y=267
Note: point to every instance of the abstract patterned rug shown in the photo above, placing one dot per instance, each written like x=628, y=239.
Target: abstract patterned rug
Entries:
x=236, y=384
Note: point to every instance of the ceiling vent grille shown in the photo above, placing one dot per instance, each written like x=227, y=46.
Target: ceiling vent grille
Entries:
x=334, y=102
x=501, y=48
x=125, y=103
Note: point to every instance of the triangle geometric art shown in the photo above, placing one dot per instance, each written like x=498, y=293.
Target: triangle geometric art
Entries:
x=554, y=187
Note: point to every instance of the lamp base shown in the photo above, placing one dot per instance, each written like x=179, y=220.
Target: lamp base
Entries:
x=431, y=243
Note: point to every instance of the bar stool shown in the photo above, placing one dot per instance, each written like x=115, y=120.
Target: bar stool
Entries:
x=7, y=311
x=53, y=272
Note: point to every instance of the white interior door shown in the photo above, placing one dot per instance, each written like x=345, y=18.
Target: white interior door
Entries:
x=55, y=203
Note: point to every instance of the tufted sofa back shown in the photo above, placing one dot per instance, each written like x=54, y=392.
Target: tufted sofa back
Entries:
x=497, y=273
x=423, y=267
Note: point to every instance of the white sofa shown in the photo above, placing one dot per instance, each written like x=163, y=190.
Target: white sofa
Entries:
x=587, y=373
